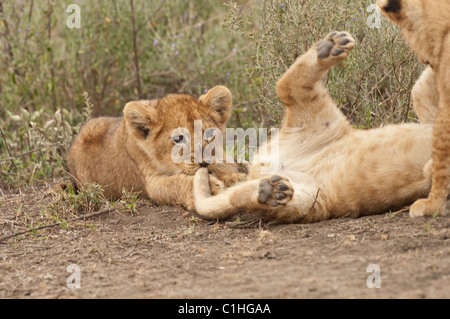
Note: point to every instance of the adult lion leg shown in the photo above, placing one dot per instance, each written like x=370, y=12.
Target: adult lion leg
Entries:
x=437, y=199
x=307, y=100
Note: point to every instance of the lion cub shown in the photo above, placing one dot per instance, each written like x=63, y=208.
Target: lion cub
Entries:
x=425, y=25
x=134, y=151
x=327, y=168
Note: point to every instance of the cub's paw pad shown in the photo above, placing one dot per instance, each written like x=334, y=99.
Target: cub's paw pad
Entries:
x=335, y=45
x=275, y=191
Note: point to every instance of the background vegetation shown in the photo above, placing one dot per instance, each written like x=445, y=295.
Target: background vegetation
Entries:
x=52, y=78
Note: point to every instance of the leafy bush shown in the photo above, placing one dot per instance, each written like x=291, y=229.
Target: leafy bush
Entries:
x=372, y=86
x=124, y=50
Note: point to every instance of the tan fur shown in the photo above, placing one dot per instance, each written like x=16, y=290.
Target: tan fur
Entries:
x=425, y=26
x=134, y=151
x=327, y=168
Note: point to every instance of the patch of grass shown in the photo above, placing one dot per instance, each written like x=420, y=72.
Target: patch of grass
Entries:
x=194, y=220
x=128, y=201
x=190, y=230
x=67, y=206
x=68, y=203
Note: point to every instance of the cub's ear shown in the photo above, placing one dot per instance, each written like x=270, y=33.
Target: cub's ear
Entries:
x=393, y=9
x=390, y=5
x=219, y=99
x=139, y=118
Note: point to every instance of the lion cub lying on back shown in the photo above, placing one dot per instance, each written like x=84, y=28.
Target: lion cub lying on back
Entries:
x=327, y=169
x=134, y=151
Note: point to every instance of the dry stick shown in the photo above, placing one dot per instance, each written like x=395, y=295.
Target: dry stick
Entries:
x=151, y=17
x=136, y=54
x=10, y=158
x=246, y=224
x=408, y=105
x=238, y=15
x=27, y=31
x=405, y=209
x=9, y=152
x=50, y=10
x=6, y=43
x=309, y=211
x=101, y=212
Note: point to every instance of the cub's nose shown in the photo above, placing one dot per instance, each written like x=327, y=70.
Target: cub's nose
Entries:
x=204, y=164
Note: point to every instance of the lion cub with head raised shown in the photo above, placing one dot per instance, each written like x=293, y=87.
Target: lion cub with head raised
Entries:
x=425, y=24
x=134, y=151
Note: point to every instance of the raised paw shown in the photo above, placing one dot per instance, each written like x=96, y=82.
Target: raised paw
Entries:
x=275, y=191
x=335, y=47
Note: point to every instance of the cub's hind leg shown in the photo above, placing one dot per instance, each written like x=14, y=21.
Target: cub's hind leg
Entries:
x=265, y=194
x=306, y=99
x=272, y=197
x=273, y=191
x=310, y=68
x=277, y=198
x=334, y=48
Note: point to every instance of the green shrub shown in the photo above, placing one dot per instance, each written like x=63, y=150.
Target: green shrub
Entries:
x=372, y=86
x=45, y=67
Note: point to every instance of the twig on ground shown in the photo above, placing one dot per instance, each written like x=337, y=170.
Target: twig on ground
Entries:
x=246, y=224
x=101, y=212
x=405, y=209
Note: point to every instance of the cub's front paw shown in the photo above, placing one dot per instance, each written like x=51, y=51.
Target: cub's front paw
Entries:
x=334, y=48
x=275, y=191
x=216, y=185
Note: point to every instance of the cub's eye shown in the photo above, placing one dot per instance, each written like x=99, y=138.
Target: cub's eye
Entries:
x=178, y=139
x=210, y=135
x=180, y=135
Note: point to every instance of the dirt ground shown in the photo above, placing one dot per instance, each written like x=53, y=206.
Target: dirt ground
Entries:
x=165, y=252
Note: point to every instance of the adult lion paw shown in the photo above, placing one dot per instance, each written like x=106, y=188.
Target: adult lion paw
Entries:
x=427, y=207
